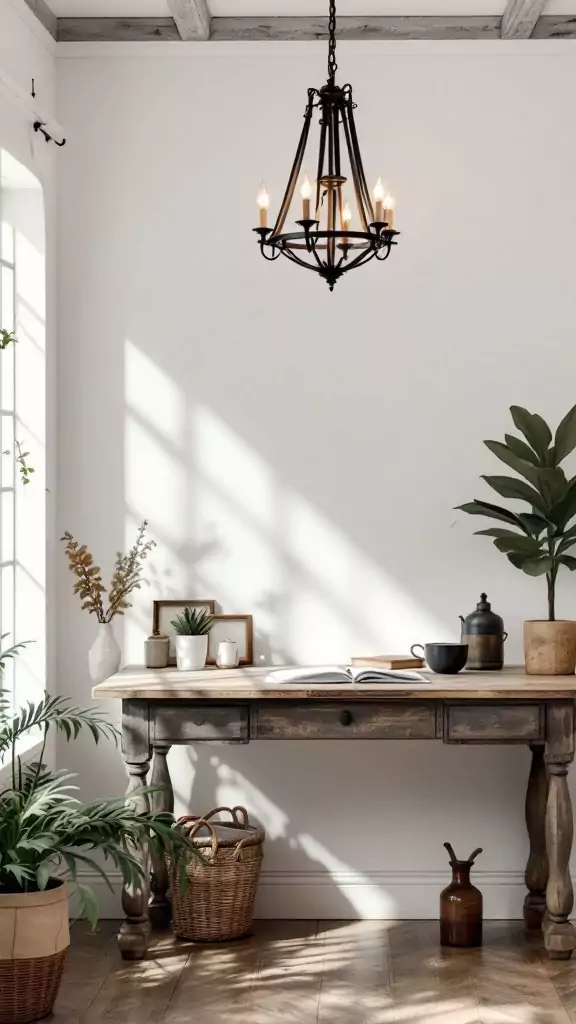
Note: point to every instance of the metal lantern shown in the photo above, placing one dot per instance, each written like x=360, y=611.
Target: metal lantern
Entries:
x=328, y=240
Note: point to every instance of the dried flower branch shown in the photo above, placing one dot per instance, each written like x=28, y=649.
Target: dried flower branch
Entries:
x=127, y=575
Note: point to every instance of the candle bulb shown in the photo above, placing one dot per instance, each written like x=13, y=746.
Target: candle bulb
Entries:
x=306, y=193
x=389, y=205
x=379, y=201
x=346, y=220
x=263, y=200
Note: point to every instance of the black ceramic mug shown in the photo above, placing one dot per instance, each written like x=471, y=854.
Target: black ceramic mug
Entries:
x=446, y=659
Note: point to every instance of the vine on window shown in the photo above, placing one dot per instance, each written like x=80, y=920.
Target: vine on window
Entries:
x=9, y=338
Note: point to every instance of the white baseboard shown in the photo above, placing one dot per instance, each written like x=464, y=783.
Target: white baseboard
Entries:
x=375, y=895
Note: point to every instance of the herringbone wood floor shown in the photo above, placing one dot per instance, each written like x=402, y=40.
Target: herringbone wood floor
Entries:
x=300, y=972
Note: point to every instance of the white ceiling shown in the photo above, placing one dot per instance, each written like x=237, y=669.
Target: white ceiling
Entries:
x=283, y=8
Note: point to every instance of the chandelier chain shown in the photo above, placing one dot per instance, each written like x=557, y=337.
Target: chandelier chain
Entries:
x=332, y=65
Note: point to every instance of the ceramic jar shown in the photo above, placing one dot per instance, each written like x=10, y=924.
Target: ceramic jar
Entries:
x=156, y=650
x=104, y=655
x=227, y=656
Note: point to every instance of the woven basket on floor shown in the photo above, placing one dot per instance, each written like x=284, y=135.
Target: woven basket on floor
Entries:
x=219, y=900
x=28, y=988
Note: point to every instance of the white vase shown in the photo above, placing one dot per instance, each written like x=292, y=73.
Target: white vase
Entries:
x=104, y=655
x=191, y=652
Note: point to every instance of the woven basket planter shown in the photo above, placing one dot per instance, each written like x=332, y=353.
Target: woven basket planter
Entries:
x=219, y=901
x=34, y=939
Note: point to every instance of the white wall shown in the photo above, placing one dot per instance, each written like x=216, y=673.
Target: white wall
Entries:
x=298, y=454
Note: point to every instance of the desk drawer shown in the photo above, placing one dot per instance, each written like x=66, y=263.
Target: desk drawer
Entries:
x=346, y=721
x=181, y=723
x=496, y=723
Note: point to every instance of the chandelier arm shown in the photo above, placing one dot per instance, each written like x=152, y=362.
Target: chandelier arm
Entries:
x=277, y=252
x=321, y=158
x=388, y=251
x=364, y=257
x=290, y=254
x=355, y=178
x=296, y=166
x=356, y=156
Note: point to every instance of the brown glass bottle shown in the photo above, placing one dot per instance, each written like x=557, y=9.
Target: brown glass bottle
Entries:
x=461, y=905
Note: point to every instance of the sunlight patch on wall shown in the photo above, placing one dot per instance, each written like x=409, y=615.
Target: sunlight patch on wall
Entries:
x=367, y=898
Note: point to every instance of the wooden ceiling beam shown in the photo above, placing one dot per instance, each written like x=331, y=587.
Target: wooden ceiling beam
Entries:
x=192, y=18
x=82, y=30
x=45, y=16
x=520, y=17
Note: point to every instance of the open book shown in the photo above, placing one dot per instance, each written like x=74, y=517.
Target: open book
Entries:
x=333, y=674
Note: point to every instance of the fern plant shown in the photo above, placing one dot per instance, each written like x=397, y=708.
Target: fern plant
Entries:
x=45, y=829
x=538, y=540
x=193, y=622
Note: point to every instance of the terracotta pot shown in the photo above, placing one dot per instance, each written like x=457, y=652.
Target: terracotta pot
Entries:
x=34, y=937
x=550, y=647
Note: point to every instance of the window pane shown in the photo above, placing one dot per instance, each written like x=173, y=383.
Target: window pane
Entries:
x=7, y=445
x=7, y=533
x=7, y=242
x=7, y=299
x=7, y=613
x=7, y=377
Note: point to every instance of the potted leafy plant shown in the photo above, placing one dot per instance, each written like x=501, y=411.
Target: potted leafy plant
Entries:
x=192, y=628
x=104, y=655
x=537, y=540
x=45, y=829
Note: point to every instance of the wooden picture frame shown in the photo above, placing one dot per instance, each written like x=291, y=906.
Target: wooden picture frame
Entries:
x=232, y=627
x=164, y=610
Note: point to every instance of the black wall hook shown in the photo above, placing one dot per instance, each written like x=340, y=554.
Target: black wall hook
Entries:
x=39, y=127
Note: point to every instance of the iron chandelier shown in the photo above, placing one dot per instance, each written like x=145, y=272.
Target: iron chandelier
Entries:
x=326, y=242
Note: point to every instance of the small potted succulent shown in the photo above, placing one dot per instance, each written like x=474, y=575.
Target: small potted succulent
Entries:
x=537, y=541
x=46, y=835
x=192, y=628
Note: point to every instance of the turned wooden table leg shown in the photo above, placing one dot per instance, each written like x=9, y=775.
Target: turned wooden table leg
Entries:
x=160, y=909
x=536, y=874
x=134, y=933
x=559, y=934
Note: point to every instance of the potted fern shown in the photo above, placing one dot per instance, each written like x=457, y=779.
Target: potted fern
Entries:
x=46, y=831
x=538, y=538
x=192, y=628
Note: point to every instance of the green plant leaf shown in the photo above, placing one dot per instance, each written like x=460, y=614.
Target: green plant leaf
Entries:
x=522, y=450
x=509, y=487
x=562, y=512
x=506, y=455
x=486, y=508
x=498, y=531
x=552, y=485
x=565, y=439
x=569, y=561
x=517, y=560
x=519, y=545
x=533, y=523
x=535, y=430
x=538, y=566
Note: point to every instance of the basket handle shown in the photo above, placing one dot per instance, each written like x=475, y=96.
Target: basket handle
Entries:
x=198, y=824
x=234, y=812
x=240, y=846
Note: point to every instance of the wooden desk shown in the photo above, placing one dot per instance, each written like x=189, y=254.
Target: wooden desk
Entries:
x=165, y=707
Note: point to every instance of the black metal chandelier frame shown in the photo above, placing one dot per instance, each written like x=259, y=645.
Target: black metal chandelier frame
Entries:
x=332, y=251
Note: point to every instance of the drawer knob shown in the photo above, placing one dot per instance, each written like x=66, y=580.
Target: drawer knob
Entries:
x=346, y=717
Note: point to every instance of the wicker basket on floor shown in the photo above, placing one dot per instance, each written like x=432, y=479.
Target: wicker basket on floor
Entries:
x=218, y=902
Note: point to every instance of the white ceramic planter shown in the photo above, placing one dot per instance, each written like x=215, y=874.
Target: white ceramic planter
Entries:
x=191, y=652
x=104, y=655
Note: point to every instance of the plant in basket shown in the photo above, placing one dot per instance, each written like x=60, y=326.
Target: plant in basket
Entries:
x=46, y=834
